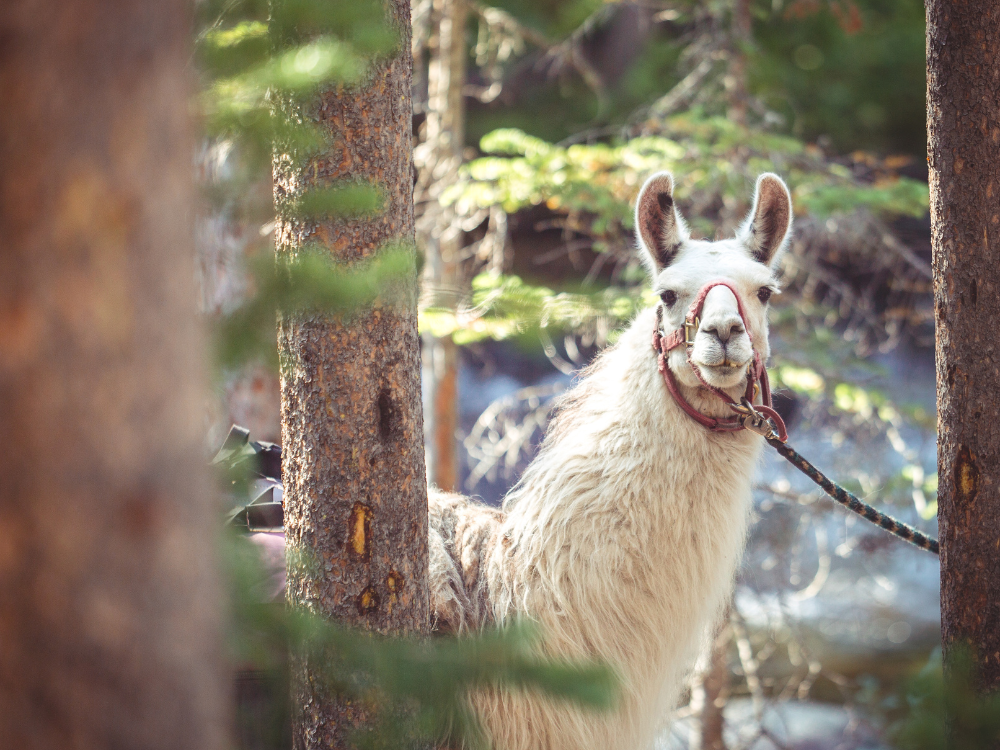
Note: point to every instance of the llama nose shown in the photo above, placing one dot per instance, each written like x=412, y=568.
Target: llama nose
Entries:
x=724, y=329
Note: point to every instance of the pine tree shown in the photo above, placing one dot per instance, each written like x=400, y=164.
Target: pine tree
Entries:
x=352, y=434
x=963, y=83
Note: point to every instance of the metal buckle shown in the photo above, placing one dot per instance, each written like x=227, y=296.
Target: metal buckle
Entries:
x=753, y=420
x=691, y=330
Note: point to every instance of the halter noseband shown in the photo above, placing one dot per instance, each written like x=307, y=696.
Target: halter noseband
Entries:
x=761, y=418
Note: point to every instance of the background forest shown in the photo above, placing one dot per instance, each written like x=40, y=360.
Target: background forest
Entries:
x=534, y=124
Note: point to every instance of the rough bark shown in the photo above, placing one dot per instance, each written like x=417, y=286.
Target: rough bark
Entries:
x=352, y=433
x=963, y=91
x=109, y=598
x=441, y=236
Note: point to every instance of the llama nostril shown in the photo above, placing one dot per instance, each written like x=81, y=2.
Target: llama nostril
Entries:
x=724, y=331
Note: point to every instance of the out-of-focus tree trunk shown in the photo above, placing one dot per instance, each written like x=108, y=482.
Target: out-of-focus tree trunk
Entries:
x=716, y=686
x=352, y=433
x=438, y=158
x=440, y=375
x=710, y=695
x=963, y=88
x=736, y=83
x=110, y=605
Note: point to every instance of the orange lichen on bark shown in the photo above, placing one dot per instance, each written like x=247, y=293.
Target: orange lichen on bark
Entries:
x=360, y=530
x=368, y=600
x=394, y=582
x=966, y=475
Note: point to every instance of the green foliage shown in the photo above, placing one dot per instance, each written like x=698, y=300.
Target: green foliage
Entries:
x=416, y=688
x=901, y=197
x=948, y=712
x=594, y=185
x=224, y=52
x=261, y=63
x=554, y=18
x=258, y=60
x=504, y=306
x=850, y=70
x=307, y=284
x=858, y=80
x=347, y=201
x=801, y=380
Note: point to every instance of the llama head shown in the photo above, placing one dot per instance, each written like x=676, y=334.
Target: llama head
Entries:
x=680, y=266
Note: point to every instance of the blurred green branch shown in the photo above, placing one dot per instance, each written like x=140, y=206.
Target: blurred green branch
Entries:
x=595, y=184
x=418, y=688
x=504, y=306
x=943, y=712
x=309, y=283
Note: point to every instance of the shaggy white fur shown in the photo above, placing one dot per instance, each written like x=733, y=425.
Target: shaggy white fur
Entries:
x=623, y=536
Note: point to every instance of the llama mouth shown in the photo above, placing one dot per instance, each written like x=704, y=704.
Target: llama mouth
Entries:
x=724, y=374
x=724, y=368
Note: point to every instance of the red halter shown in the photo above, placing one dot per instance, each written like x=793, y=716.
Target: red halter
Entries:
x=760, y=418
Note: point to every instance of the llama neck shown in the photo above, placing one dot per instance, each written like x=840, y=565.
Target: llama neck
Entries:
x=631, y=516
x=620, y=428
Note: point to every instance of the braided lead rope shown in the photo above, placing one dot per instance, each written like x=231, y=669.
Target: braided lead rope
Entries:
x=853, y=503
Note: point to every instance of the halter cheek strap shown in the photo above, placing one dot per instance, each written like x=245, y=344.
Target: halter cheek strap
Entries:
x=760, y=418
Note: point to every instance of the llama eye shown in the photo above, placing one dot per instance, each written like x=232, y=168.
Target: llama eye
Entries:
x=764, y=294
x=669, y=297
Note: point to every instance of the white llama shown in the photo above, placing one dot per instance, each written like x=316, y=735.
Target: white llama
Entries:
x=623, y=536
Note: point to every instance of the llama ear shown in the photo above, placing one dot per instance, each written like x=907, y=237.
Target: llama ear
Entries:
x=768, y=227
x=660, y=228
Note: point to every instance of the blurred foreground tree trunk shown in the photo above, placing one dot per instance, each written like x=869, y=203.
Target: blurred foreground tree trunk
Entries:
x=352, y=432
x=963, y=91
x=439, y=158
x=109, y=598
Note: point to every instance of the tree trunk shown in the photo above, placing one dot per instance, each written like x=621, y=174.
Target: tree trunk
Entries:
x=736, y=83
x=711, y=693
x=963, y=88
x=440, y=361
x=716, y=686
x=109, y=598
x=352, y=433
x=439, y=159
